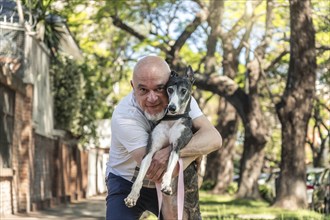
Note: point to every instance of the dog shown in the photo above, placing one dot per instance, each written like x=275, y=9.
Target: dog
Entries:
x=175, y=128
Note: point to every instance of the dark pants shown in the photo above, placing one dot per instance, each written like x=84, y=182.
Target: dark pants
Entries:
x=118, y=190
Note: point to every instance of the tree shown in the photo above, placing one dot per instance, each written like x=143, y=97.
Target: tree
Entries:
x=84, y=91
x=246, y=104
x=294, y=109
x=221, y=163
x=237, y=52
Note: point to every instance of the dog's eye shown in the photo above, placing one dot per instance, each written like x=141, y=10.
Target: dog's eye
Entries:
x=170, y=90
x=183, y=91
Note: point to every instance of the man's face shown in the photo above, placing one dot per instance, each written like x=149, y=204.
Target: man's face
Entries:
x=150, y=92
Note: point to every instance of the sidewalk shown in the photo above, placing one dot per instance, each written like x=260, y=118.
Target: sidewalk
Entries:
x=87, y=209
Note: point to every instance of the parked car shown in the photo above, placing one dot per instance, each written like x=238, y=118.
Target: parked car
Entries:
x=312, y=176
x=268, y=181
x=321, y=193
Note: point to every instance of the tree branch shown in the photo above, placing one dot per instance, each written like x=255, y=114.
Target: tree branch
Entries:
x=119, y=23
x=200, y=17
x=227, y=88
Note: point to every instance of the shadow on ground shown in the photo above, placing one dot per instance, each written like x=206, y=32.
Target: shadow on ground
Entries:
x=87, y=209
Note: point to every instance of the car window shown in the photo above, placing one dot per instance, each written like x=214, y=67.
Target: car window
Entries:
x=311, y=178
x=326, y=176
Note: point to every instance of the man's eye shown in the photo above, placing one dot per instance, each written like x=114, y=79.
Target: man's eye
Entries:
x=160, y=89
x=170, y=90
x=142, y=90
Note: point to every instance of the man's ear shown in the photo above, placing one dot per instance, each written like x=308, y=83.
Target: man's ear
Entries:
x=132, y=84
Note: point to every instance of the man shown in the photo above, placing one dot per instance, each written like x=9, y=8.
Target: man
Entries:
x=131, y=124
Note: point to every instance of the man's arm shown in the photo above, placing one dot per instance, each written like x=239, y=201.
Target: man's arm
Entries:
x=205, y=140
x=158, y=165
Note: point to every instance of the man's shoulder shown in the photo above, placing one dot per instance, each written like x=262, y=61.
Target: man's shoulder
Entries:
x=125, y=106
x=127, y=113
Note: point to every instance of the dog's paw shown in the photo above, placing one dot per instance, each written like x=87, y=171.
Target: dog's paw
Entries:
x=130, y=201
x=167, y=190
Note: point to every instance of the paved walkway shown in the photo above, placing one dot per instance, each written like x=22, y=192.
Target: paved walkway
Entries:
x=87, y=209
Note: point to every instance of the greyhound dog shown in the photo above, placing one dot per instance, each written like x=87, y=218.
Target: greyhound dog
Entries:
x=174, y=129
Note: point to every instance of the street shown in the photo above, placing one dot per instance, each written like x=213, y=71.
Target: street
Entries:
x=87, y=209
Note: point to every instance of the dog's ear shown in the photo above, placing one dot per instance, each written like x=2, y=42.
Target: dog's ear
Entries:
x=190, y=74
x=173, y=73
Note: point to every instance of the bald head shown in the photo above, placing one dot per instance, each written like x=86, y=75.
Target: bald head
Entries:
x=151, y=66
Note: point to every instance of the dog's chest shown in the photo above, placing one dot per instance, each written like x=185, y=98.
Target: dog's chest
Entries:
x=169, y=127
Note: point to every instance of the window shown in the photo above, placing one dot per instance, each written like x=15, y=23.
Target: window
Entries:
x=7, y=104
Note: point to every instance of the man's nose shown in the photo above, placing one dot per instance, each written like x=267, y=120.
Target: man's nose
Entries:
x=152, y=96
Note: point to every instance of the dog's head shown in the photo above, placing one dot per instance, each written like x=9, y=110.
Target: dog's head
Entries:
x=179, y=90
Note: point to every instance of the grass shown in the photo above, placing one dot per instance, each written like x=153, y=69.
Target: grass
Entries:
x=216, y=207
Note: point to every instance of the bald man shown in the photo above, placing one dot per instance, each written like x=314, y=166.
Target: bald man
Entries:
x=131, y=123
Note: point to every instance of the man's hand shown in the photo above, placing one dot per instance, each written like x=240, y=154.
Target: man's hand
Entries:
x=158, y=165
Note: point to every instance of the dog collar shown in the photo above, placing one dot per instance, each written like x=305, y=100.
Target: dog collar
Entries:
x=175, y=117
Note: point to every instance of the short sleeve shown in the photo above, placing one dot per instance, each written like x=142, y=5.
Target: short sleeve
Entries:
x=130, y=133
x=195, y=111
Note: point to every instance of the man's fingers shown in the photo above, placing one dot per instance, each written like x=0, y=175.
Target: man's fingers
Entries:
x=155, y=172
x=158, y=165
x=157, y=177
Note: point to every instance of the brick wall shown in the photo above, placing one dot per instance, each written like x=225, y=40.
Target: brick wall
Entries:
x=25, y=149
x=5, y=195
x=15, y=182
x=70, y=170
x=43, y=168
x=43, y=172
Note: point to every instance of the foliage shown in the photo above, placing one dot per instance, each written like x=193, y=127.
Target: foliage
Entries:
x=44, y=23
x=232, y=188
x=110, y=52
x=266, y=193
x=66, y=93
x=84, y=91
x=208, y=185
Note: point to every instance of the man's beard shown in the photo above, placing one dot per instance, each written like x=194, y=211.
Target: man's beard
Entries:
x=154, y=117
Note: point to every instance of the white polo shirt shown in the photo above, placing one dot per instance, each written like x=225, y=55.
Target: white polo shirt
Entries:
x=130, y=130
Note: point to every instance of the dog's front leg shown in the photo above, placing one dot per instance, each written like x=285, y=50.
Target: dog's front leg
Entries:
x=167, y=178
x=132, y=198
x=155, y=143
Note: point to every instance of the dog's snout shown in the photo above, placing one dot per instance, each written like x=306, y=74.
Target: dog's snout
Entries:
x=172, y=107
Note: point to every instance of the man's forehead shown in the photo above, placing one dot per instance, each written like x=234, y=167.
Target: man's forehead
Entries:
x=150, y=86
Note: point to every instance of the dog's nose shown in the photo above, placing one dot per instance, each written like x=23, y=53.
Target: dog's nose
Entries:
x=172, y=107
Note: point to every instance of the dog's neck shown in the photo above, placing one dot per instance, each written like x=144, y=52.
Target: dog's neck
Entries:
x=168, y=117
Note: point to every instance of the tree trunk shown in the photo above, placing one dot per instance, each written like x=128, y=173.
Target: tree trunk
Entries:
x=256, y=135
x=220, y=163
x=294, y=109
x=256, y=130
x=251, y=165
